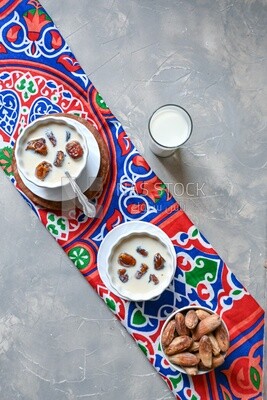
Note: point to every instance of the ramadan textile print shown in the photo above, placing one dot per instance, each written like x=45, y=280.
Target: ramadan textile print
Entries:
x=39, y=75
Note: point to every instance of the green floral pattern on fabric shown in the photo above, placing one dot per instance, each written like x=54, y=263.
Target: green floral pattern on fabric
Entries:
x=80, y=257
x=100, y=102
x=6, y=160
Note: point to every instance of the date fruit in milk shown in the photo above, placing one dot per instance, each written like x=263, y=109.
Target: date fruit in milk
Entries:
x=144, y=284
x=31, y=159
x=170, y=127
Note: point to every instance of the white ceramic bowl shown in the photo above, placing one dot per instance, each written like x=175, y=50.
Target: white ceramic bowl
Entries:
x=27, y=160
x=144, y=288
x=184, y=310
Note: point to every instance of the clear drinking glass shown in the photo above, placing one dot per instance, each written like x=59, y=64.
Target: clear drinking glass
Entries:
x=170, y=126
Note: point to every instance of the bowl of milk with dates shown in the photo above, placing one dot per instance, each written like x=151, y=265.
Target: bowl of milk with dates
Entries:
x=48, y=147
x=141, y=265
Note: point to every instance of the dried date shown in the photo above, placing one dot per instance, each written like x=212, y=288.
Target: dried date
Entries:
x=202, y=314
x=51, y=137
x=191, y=319
x=142, y=251
x=42, y=170
x=59, y=159
x=218, y=360
x=158, y=261
x=215, y=346
x=206, y=326
x=74, y=149
x=143, y=269
x=181, y=328
x=205, y=351
x=123, y=276
x=179, y=344
x=168, y=334
x=222, y=338
x=38, y=146
x=154, y=279
x=184, y=359
x=126, y=260
x=192, y=371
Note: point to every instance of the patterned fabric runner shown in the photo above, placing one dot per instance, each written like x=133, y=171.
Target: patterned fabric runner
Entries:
x=39, y=75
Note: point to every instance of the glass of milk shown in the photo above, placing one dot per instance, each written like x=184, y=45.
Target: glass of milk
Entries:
x=169, y=127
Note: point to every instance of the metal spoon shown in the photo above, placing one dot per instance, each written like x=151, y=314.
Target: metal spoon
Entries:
x=88, y=207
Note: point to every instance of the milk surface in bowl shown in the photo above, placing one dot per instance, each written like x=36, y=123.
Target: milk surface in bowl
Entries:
x=153, y=281
x=64, y=133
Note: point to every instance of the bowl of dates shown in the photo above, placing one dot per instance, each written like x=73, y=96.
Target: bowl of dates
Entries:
x=48, y=147
x=194, y=340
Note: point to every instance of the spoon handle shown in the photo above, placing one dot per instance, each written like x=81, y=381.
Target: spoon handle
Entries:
x=88, y=207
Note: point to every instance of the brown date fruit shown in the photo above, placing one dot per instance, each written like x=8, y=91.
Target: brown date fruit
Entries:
x=38, y=145
x=202, y=314
x=191, y=319
x=222, y=338
x=178, y=345
x=184, y=359
x=215, y=346
x=143, y=269
x=51, y=137
x=59, y=159
x=206, y=326
x=217, y=361
x=126, y=260
x=181, y=328
x=154, y=279
x=192, y=371
x=168, y=334
x=42, y=170
x=123, y=276
x=142, y=251
x=74, y=149
x=158, y=261
x=205, y=351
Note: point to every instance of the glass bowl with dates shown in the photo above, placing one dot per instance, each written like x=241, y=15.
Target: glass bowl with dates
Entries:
x=141, y=265
x=48, y=147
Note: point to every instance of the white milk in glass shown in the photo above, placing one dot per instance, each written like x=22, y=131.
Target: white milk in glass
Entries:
x=170, y=126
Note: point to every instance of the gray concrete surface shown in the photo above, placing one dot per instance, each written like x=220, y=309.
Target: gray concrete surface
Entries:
x=57, y=338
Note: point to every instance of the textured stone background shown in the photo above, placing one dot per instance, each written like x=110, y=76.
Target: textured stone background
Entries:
x=57, y=338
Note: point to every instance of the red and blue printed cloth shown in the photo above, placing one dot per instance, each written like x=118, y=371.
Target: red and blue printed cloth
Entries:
x=39, y=75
